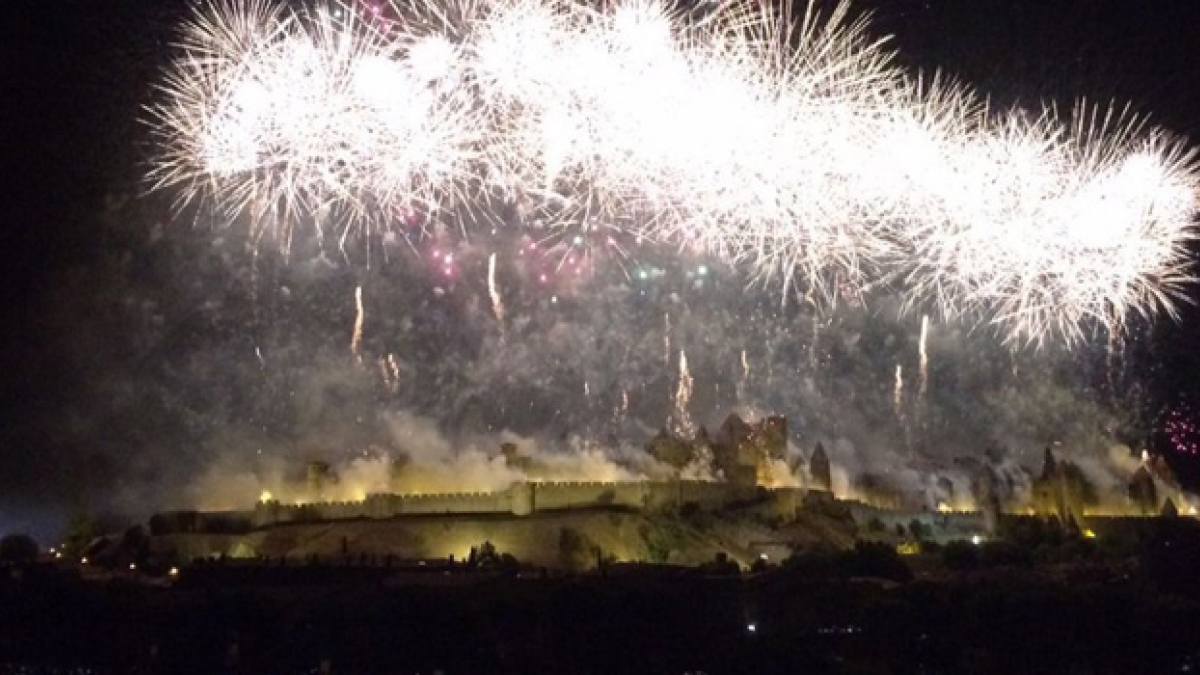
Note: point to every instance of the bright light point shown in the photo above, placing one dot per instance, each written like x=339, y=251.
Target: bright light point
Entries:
x=643, y=274
x=266, y=496
x=554, y=299
x=449, y=258
x=976, y=539
x=578, y=240
x=132, y=566
x=449, y=271
x=83, y=561
x=1089, y=534
x=542, y=278
x=762, y=556
x=174, y=571
x=703, y=270
x=752, y=627
x=432, y=58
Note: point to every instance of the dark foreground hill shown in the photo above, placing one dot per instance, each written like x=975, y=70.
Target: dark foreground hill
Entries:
x=640, y=620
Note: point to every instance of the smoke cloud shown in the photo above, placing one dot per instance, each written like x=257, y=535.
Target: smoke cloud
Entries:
x=227, y=369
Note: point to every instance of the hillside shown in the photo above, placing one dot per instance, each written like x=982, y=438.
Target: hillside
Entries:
x=565, y=539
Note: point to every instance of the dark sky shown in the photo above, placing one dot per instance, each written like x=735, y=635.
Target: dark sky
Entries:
x=73, y=74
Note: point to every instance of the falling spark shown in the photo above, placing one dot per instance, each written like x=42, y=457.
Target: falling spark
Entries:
x=924, y=356
x=493, y=291
x=743, y=384
x=681, y=416
x=356, y=338
x=898, y=392
x=391, y=373
x=812, y=343
x=667, y=337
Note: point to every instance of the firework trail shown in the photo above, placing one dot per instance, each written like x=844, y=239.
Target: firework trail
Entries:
x=924, y=357
x=359, y=315
x=744, y=380
x=792, y=146
x=667, y=338
x=493, y=291
x=681, y=415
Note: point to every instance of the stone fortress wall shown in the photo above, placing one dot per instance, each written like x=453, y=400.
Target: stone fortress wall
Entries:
x=527, y=498
x=521, y=499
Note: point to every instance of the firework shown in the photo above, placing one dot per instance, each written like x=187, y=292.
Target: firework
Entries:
x=311, y=116
x=789, y=145
x=1052, y=228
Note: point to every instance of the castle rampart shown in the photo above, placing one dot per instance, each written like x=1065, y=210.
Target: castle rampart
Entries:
x=521, y=499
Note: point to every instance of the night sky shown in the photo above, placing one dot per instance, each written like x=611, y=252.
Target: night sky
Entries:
x=75, y=73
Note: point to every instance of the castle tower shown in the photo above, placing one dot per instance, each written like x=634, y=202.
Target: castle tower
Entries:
x=775, y=436
x=819, y=469
x=1049, y=466
x=989, y=502
x=1142, y=491
x=523, y=498
x=319, y=476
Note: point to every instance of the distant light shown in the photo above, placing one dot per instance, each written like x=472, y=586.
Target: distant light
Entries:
x=542, y=278
x=752, y=627
x=58, y=555
x=703, y=270
x=174, y=571
x=762, y=556
x=554, y=299
x=83, y=560
x=643, y=274
x=976, y=539
x=578, y=240
x=449, y=258
x=1090, y=534
x=266, y=496
x=133, y=566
